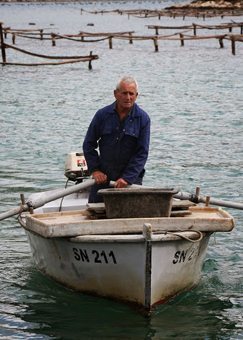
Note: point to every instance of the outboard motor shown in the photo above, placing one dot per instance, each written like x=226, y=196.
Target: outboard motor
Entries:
x=76, y=168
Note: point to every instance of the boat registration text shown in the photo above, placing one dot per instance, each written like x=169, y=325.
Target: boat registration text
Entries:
x=94, y=256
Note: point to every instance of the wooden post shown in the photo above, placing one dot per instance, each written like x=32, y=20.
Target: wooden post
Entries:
x=207, y=201
x=241, y=29
x=221, y=43
x=41, y=34
x=156, y=30
x=53, y=40
x=90, y=65
x=13, y=38
x=22, y=199
x=5, y=33
x=130, y=40
x=147, y=234
x=2, y=44
x=197, y=193
x=110, y=42
x=182, y=39
x=156, y=46
x=233, y=45
x=194, y=29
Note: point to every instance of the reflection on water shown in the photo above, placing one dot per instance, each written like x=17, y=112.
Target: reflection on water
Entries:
x=194, y=97
x=46, y=307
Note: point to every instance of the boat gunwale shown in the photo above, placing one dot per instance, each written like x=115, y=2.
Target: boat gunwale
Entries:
x=191, y=236
x=219, y=220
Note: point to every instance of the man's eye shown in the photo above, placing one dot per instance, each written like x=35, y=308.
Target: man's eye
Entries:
x=126, y=93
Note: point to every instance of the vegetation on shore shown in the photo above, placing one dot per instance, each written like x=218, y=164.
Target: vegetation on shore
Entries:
x=211, y=4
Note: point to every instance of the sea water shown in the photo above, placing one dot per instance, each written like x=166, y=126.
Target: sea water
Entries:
x=193, y=95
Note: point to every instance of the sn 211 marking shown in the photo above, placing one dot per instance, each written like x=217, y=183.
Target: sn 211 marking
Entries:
x=184, y=255
x=94, y=256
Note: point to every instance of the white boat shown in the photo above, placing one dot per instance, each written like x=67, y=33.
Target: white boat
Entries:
x=142, y=255
x=139, y=259
x=135, y=260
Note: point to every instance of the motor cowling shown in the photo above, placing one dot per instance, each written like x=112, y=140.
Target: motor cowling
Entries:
x=76, y=168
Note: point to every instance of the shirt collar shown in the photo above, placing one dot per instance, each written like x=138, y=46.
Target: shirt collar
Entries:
x=132, y=112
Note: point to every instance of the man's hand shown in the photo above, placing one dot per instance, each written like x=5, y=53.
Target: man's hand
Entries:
x=99, y=177
x=120, y=183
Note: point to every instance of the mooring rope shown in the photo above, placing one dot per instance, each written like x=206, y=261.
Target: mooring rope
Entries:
x=187, y=238
x=88, y=57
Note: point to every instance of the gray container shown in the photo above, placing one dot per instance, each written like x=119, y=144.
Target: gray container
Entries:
x=144, y=202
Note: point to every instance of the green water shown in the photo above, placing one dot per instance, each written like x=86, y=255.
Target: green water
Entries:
x=194, y=97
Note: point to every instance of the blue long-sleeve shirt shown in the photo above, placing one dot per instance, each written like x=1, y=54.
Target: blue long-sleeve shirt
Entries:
x=119, y=149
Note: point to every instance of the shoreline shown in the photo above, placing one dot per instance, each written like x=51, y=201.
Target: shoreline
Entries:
x=194, y=5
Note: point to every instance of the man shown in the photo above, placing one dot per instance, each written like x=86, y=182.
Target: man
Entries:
x=121, y=133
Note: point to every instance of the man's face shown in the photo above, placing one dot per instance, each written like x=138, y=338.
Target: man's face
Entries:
x=126, y=96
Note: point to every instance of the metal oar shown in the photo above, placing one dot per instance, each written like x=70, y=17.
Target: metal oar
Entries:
x=39, y=202
x=196, y=198
x=208, y=200
x=26, y=206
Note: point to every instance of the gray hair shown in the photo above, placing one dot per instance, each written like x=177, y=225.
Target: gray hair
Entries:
x=127, y=80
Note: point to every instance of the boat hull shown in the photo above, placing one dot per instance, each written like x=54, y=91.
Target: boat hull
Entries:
x=176, y=267
x=131, y=268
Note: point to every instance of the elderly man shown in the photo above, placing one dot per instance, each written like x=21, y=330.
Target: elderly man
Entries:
x=116, y=145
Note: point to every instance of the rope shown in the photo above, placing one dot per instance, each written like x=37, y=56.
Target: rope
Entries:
x=30, y=37
x=87, y=35
x=39, y=64
x=187, y=238
x=85, y=58
x=21, y=221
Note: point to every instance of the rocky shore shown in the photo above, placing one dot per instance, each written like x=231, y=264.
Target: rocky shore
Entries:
x=211, y=4
x=196, y=4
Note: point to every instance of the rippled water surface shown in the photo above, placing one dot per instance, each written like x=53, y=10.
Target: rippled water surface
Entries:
x=194, y=97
